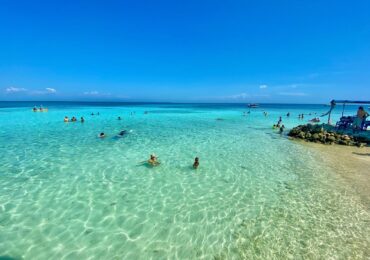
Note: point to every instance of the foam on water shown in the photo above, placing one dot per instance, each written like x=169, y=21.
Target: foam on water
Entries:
x=66, y=194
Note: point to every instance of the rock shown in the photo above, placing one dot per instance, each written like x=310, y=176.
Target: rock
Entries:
x=343, y=142
x=301, y=135
x=330, y=138
x=318, y=134
x=359, y=144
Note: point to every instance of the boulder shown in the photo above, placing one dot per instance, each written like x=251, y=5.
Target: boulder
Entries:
x=330, y=138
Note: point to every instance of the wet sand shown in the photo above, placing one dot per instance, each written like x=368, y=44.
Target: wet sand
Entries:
x=351, y=164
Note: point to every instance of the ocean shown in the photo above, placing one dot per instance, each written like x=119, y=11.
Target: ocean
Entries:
x=67, y=194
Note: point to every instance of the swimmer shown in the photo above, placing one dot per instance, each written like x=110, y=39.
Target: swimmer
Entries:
x=122, y=133
x=119, y=118
x=102, y=135
x=196, y=163
x=82, y=119
x=92, y=114
x=34, y=109
x=288, y=115
x=73, y=119
x=66, y=119
x=153, y=160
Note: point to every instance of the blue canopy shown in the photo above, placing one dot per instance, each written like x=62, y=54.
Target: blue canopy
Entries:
x=350, y=102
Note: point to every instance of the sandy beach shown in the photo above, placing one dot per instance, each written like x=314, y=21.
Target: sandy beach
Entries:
x=351, y=164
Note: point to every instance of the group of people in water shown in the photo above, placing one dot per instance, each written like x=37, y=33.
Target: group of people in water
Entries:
x=40, y=109
x=153, y=161
x=120, y=134
x=73, y=119
x=279, y=125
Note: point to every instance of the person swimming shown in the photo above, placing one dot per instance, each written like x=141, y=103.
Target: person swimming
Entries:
x=82, y=119
x=66, y=119
x=153, y=161
x=34, y=109
x=122, y=133
x=102, y=135
x=196, y=163
x=288, y=115
x=73, y=119
x=119, y=118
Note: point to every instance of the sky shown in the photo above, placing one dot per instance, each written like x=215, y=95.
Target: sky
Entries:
x=304, y=51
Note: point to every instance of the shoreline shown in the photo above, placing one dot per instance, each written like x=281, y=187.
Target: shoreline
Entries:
x=349, y=163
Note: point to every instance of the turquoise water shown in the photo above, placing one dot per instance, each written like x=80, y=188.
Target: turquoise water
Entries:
x=66, y=194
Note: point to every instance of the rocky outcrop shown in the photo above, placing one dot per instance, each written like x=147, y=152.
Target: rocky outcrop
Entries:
x=321, y=134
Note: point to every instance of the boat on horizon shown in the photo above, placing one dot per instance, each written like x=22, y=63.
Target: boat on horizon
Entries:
x=252, y=105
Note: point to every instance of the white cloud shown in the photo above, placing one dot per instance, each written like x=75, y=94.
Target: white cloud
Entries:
x=239, y=96
x=51, y=90
x=15, y=90
x=43, y=92
x=263, y=86
x=91, y=93
x=296, y=94
x=96, y=94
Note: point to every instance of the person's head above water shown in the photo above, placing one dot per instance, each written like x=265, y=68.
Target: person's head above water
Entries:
x=102, y=134
x=196, y=162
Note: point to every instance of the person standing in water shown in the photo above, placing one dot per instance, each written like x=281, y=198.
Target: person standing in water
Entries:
x=196, y=163
x=281, y=130
x=153, y=160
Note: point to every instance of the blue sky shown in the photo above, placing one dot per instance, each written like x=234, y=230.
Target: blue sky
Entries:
x=185, y=51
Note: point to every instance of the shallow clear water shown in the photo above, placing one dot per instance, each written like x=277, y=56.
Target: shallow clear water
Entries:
x=66, y=194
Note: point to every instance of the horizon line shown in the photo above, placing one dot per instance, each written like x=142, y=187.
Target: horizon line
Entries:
x=162, y=102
